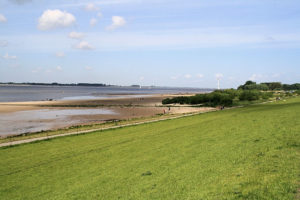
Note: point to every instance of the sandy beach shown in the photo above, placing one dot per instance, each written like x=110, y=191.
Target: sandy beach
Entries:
x=83, y=112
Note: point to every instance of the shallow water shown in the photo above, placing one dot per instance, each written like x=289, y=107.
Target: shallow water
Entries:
x=103, y=97
x=45, y=119
x=39, y=93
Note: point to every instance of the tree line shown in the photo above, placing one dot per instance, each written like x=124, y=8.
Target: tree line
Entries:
x=250, y=91
x=58, y=84
x=251, y=85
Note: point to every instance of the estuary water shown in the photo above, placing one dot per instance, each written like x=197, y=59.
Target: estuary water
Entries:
x=10, y=93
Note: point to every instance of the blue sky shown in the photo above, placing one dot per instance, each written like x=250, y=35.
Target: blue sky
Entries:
x=150, y=42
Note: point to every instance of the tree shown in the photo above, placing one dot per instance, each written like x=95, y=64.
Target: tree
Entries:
x=247, y=84
x=250, y=85
x=295, y=86
x=275, y=86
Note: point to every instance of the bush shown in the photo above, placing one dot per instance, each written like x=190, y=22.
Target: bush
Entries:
x=249, y=95
x=167, y=101
x=267, y=95
x=223, y=98
x=288, y=94
x=180, y=100
x=297, y=92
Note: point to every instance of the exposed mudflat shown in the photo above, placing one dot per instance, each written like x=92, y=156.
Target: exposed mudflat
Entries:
x=23, y=117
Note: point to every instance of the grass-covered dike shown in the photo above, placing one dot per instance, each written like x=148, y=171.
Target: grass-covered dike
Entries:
x=243, y=153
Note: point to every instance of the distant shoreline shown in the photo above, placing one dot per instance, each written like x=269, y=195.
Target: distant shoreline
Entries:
x=57, y=84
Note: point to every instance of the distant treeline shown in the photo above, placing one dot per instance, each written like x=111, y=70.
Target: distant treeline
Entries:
x=59, y=84
x=250, y=91
x=220, y=97
x=250, y=85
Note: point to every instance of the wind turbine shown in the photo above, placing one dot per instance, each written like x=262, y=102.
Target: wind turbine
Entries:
x=218, y=77
x=141, y=80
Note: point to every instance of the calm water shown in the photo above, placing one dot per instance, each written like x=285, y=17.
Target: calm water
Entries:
x=40, y=93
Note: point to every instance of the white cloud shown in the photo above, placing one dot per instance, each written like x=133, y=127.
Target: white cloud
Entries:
x=158, y=39
x=60, y=54
x=187, y=76
x=117, y=21
x=52, y=19
x=99, y=14
x=102, y=2
x=76, y=35
x=174, y=77
x=59, y=68
x=91, y=7
x=219, y=76
x=183, y=39
x=93, y=21
x=84, y=46
x=199, y=75
x=255, y=77
x=277, y=75
x=8, y=57
x=3, y=43
x=36, y=70
x=142, y=78
x=2, y=18
x=88, y=68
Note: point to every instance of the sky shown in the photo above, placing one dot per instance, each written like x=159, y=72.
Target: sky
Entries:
x=177, y=43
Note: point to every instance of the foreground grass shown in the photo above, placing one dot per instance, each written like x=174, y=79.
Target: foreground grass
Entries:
x=244, y=153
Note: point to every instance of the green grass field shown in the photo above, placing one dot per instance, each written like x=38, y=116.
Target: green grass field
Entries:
x=243, y=153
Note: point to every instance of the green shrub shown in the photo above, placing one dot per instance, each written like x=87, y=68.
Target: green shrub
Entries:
x=249, y=95
x=266, y=95
x=297, y=92
x=288, y=94
x=166, y=101
x=223, y=98
x=180, y=100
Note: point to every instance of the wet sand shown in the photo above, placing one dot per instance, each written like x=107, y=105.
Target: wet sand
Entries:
x=23, y=117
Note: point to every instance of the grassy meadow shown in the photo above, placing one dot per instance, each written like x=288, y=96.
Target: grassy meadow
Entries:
x=244, y=153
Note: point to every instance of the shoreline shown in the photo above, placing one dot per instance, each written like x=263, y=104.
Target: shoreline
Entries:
x=126, y=108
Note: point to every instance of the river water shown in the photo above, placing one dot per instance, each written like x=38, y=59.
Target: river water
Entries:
x=40, y=93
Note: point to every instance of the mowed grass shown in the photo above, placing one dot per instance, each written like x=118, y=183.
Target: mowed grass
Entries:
x=243, y=153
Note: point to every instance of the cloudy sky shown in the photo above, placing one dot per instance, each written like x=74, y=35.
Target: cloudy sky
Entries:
x=150, y=42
